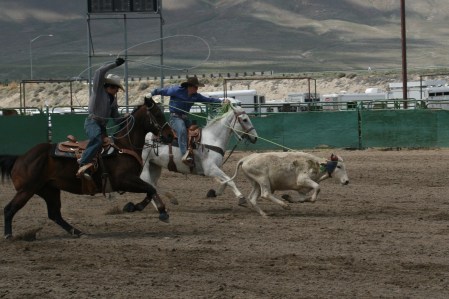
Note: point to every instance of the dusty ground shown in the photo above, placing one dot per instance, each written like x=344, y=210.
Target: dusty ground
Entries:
x=385, y=235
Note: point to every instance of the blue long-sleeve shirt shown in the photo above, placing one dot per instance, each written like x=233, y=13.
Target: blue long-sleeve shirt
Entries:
x=180, y=101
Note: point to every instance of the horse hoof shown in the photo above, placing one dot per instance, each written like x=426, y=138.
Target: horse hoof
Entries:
x=139, y=207
x=172, y=198
x=8, y=237
x=76, y=232
x=211, y=193
x=164, y=217
x=287, y=197
x=242, y=202
x=129, y=207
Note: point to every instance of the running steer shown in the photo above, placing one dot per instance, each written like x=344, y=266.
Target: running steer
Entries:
x=271, y=171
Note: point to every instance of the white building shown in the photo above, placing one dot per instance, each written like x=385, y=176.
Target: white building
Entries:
x=248, y=98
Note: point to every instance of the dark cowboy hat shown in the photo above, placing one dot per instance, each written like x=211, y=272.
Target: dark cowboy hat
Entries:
x=192, y=81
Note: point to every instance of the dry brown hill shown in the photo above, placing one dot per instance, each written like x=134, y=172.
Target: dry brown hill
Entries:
x=37, y=95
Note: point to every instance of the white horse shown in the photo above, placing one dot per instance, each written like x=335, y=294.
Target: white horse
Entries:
x=209, y=152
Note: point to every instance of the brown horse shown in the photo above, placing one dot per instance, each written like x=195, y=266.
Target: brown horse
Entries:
x=8, y=112
x=40, y=172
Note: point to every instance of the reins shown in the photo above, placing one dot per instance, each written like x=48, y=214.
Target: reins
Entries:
x=239, y=138
x=129, y=125
x=230, y=125
x=153, y=122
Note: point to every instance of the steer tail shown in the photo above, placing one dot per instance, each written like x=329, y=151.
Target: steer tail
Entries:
x=236, y=171
x=6, y=165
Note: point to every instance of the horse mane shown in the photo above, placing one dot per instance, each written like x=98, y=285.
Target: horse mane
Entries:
x=224, y=111
x=136, y=108
x=123, y=123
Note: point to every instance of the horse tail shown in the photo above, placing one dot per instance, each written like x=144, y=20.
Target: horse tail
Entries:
x=6, y=164
x=236, y=170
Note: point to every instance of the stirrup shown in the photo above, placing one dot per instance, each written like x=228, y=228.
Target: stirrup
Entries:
x=81, y=171
x=87, y=176
x=187, y=159
x=184, y=157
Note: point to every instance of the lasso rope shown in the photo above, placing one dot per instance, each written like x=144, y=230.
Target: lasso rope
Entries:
x=167, y=37
x=143, y=62
x=225, y=108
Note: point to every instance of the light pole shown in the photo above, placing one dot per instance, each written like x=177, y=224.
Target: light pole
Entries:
x=31, y=53
x=404, y=55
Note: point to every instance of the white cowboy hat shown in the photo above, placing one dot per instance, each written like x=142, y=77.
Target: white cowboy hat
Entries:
x=113, y=80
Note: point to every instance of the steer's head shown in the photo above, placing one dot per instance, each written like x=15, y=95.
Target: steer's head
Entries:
x=335, y=167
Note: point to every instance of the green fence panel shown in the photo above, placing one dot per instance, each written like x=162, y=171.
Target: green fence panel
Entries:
x=270, y=136
x=307, y=130
x=269, y=128
x=312, y=129
x=199, y=118
x=20, y=133
x=401, y=128
x=277, y=131
x=65, y=124
x=443, y=128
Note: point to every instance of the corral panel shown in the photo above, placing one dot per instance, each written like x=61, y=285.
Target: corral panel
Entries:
x=400, y=128
x=65, y=124
x=307, y=130
x=21, y=132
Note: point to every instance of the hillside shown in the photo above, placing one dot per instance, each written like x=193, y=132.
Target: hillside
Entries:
x=242, y=35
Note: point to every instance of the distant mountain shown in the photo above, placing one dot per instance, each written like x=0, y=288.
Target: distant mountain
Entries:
x=243, y=35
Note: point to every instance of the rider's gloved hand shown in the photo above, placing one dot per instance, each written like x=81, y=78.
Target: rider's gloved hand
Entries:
x=119, y=61
x=148, y=95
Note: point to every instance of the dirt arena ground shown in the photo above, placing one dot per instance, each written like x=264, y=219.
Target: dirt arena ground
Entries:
x=385, y=235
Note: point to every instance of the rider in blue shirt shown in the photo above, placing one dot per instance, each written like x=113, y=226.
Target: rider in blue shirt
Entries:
x=182, y=99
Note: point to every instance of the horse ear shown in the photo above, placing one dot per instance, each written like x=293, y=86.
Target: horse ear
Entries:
x=149, y=102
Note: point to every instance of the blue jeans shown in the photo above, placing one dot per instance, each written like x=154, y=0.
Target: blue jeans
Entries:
x=180, y=125
x=95, y=134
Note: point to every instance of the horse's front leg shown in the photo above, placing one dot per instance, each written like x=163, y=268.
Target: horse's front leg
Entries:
x=222, y=177
x=158, y=204
x=151, y=196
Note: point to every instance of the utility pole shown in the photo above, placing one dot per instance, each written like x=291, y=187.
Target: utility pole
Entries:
x=404, y=55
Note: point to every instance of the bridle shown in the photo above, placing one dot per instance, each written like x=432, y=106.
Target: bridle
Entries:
x=246, y=128
x=130, y=122
x=153, y=120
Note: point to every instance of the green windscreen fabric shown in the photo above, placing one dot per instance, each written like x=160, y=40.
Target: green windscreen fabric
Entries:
x=443, y=128
x=402, y=128
x=276, y=131
x=304, y=130
x=65, y=124
x=20, y=133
